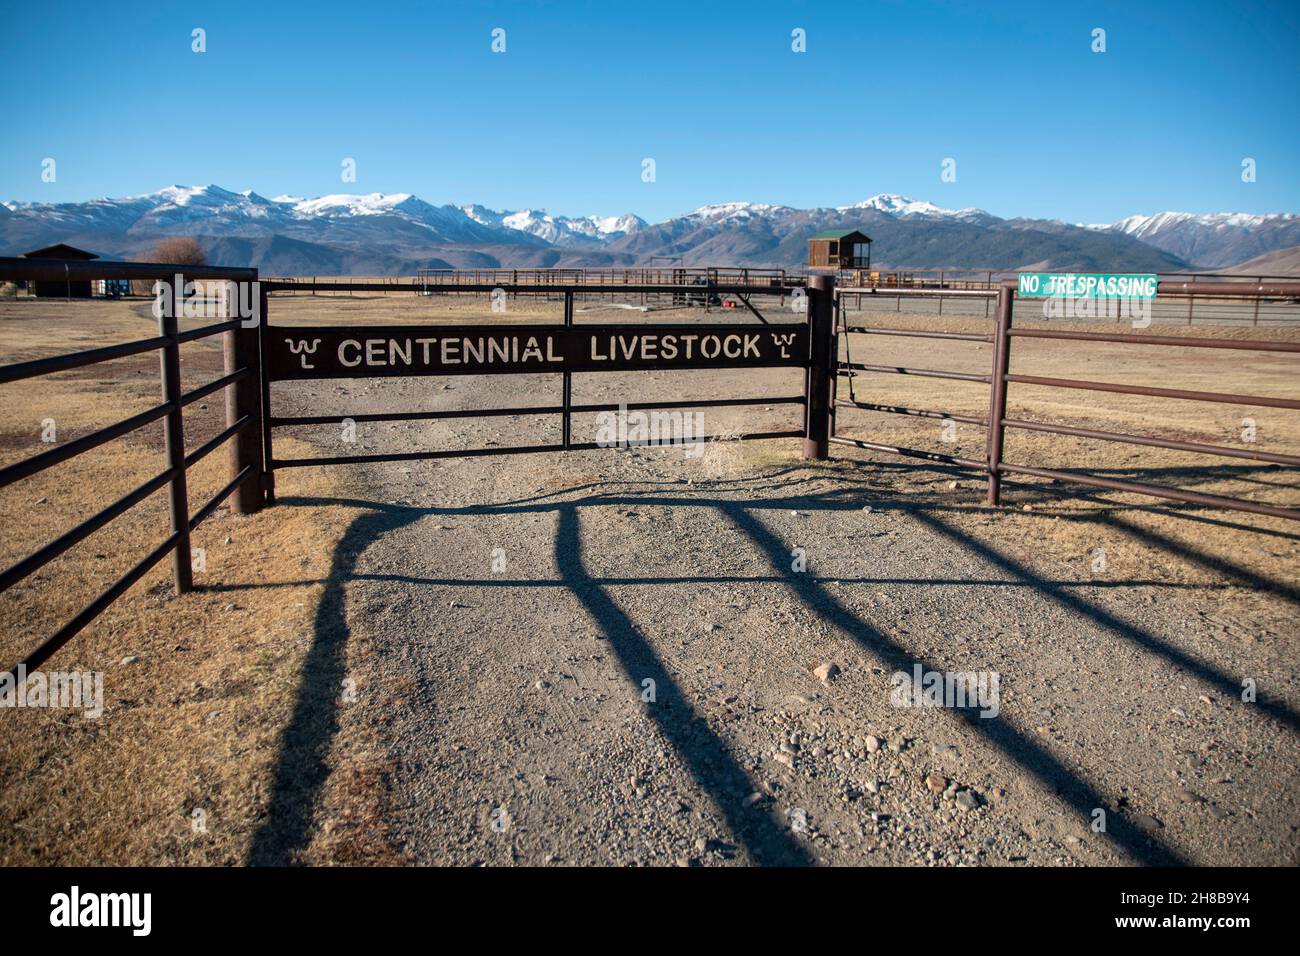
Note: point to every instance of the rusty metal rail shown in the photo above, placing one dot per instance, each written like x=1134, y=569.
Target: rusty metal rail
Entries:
x=241, y=374
x=849, y=369
x=1001, y=377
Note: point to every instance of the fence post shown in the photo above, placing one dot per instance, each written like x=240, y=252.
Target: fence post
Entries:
x=820, y=380
x=568, y=376
x=998, y=393
x=169, y=362
x=245, y=398
x=267, y=483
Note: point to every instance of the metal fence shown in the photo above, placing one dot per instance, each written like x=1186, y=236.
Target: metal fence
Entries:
x=240, y=382
x=1000, y=377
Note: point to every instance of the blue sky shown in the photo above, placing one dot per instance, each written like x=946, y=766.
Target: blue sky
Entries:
x=1039, y=125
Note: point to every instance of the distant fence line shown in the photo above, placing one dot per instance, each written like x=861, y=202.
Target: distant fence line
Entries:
x=874, y=285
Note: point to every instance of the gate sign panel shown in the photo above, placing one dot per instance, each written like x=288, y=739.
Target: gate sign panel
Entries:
x=374, y=351
x=1071, y=285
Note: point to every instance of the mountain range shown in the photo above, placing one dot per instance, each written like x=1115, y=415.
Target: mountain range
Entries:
x=397, y=234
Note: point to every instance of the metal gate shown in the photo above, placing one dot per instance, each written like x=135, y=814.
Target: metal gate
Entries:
x=1245, y=295
x=296, y=353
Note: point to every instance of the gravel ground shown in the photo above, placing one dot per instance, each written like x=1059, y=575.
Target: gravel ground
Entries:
x=612, y=658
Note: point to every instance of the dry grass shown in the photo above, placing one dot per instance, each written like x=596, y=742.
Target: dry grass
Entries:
x=192, y=723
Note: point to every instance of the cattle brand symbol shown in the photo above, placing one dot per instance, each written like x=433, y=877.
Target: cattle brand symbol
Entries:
x=302, y=349
x=783, y=342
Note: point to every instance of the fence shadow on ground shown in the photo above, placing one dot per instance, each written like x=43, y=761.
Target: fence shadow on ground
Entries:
x=302, y=763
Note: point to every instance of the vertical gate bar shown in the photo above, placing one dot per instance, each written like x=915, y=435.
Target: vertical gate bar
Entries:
x=268, y=456
x=169, y=361
x=568, y=376
x=818, y=382
x=839, y=322
x=245, y=398
x=998, y=394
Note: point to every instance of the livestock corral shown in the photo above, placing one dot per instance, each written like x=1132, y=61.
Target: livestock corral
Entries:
x=512, y=638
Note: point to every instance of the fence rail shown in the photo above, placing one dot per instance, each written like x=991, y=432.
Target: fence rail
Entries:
x=994, y=464
x=241, y=373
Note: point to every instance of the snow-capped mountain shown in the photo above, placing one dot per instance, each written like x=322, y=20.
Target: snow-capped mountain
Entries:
x=380, y=233
x=738, y=212
x=557, y=230
x=901, y=206
x=1212, y=240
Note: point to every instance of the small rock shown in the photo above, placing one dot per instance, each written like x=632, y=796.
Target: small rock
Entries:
x=827, y=672
x=954, y=485
x=753, y=798
x=543, y=685
x=968, y=800
x=1147, y=824
x=41, y=501
x=936, y=782
x=873, y=743
x=710, y=627
x=1189, y=796
x=130, y=660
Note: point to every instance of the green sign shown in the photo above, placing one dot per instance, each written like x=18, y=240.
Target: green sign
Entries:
x=1086, y=285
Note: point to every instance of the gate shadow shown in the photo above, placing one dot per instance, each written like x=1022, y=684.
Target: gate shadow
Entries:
x=302, y=764
x=302, y=767
x=708, y=758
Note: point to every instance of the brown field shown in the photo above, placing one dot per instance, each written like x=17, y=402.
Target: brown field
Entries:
x=199, y=691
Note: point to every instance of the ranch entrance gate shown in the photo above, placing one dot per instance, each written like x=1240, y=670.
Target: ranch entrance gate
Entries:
x=258, y=353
